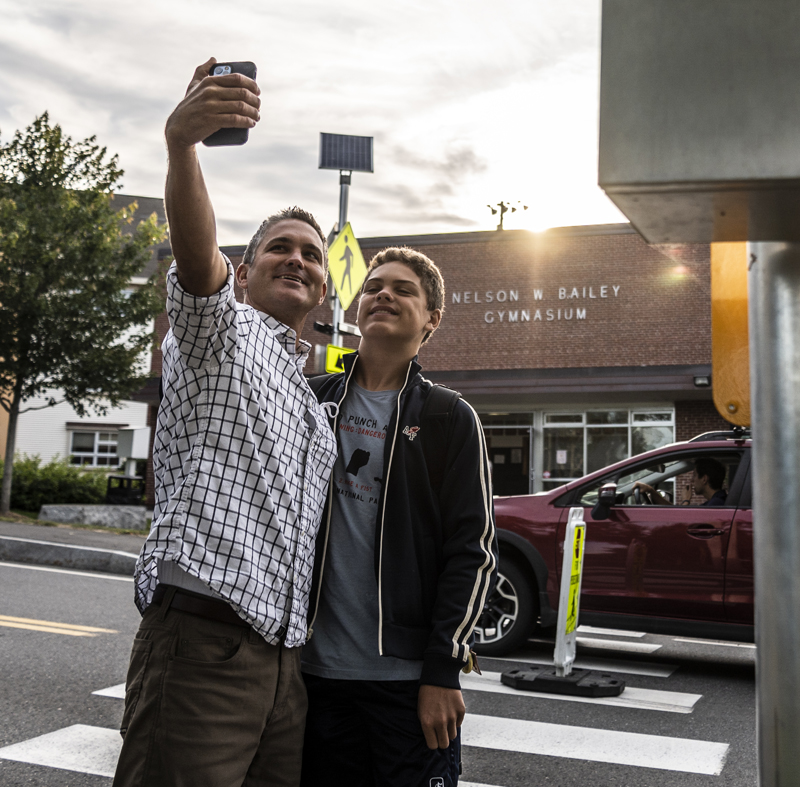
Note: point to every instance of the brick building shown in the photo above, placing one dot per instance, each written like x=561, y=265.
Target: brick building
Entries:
x=578, y=346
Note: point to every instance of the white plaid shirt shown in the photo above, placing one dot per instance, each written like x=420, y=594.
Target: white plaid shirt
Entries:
x=242, y=459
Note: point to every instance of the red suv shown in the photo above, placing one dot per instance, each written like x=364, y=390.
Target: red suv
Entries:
x=651, y=563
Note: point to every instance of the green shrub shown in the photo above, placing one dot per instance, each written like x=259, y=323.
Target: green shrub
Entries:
x=34, y=484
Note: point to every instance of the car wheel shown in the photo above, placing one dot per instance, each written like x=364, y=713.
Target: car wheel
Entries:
x=508, y=616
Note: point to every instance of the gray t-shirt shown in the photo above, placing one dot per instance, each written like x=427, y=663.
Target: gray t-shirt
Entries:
x=344, y=643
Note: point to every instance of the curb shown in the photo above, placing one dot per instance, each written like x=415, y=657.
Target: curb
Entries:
x=47, y=553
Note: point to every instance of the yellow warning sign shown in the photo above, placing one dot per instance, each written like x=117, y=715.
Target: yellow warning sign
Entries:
x=333, y=358
x=575, y=578
x=346, y=264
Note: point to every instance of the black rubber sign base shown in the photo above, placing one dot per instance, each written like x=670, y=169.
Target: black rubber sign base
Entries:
x=579, y=683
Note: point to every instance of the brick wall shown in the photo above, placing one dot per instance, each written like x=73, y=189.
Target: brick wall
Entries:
x=638, y=304
x=695, y=417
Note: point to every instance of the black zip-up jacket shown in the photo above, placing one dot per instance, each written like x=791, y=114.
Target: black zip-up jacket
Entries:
x=435, y=556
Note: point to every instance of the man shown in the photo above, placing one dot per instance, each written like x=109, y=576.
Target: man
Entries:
x=406, y=554
x=708, y=477
x=242, y=459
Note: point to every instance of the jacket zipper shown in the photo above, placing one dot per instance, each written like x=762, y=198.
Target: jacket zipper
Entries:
x=330, y=509
x=383, y=514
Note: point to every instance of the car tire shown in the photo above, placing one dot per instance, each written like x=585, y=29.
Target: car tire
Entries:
x=509, y=614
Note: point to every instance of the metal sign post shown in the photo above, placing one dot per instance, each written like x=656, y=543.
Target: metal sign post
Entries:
x=348, y=154
x=698, y=144
x=344, y=193
x=561, y=679
x=774, y=285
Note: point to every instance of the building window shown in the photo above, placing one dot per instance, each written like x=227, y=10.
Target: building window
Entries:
x=575, y=444
x=94, y=449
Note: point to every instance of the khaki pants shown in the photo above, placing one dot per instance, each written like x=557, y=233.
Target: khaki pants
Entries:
x=210, y=704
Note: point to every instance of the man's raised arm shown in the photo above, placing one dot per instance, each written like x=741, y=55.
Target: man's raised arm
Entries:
x=211, y=103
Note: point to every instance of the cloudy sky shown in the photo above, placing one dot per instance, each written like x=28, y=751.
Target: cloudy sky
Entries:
x=469, y=102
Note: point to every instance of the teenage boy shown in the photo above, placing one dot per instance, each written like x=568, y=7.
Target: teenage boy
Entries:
x=242, y=460
x=405, y=557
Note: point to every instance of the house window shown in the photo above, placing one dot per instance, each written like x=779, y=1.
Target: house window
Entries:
x=94, y=449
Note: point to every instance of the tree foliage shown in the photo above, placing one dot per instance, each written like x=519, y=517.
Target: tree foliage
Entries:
x=69, y=320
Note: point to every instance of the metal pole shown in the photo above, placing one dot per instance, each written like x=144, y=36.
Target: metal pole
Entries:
x=344, y=189
x=774, y=315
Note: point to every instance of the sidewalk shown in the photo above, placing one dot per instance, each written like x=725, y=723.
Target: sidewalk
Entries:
x=67, y=547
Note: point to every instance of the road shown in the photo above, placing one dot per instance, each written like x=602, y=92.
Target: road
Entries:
x=686, y=717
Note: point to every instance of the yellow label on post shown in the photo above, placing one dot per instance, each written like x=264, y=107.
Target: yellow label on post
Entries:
x=730, y=349
x=575, y=579
x=347, y=267
x=333, y=358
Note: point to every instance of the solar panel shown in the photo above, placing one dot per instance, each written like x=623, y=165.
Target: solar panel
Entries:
x=344, y=151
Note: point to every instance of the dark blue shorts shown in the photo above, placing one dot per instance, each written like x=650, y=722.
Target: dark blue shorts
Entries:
x=367, y=734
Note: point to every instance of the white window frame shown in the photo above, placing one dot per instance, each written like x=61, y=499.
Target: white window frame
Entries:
x=632, y=422
x=95, y=454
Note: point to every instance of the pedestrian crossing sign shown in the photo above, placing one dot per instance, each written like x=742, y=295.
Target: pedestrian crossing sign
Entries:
x=333, y=358
x=346, y=266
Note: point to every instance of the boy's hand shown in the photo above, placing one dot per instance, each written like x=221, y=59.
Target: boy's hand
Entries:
x=441, y=712
x=212, y=103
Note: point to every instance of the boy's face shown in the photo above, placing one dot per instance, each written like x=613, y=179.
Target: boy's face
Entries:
x=394, y=306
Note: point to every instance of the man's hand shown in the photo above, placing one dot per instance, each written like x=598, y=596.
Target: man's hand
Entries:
x=440, y=712
x=212, y=103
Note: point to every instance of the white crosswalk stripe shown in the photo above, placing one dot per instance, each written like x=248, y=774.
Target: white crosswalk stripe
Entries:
x=597, y=745
x=649, y=669
x=95, y=750
x=609, y=632
x=620, y=645
x=116, y=692
x=631, y=697
x=81, y=748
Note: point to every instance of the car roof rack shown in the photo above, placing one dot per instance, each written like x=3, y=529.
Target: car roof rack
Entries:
x=737, y=433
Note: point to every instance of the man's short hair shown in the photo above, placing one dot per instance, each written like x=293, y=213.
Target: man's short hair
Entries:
x=427, y=270
x=713, y=469
x=282, y=215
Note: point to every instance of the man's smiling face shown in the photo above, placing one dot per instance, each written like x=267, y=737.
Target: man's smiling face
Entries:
x=287, y=276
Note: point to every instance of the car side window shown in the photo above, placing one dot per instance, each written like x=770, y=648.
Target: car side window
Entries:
x=668, y=477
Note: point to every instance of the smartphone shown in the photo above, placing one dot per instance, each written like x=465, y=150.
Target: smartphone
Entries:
x=230, y=136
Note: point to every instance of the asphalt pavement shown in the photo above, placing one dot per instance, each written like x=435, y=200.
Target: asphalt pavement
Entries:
x=685, y=719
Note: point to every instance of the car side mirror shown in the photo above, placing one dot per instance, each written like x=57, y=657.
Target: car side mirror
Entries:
x=605, y=500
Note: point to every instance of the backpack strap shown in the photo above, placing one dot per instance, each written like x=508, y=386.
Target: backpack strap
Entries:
x=435, y=431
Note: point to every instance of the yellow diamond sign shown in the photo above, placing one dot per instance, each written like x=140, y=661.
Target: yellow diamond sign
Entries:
x=333, y=358
x=346, y=264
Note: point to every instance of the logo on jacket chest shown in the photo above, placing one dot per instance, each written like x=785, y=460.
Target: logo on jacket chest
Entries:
x=411, y=432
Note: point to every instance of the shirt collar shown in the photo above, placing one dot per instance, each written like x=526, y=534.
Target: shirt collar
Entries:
x=297, y=349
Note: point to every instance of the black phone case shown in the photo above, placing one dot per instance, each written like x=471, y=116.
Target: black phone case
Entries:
x=232, y=136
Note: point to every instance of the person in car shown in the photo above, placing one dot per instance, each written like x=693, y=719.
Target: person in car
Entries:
x=707, y=479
